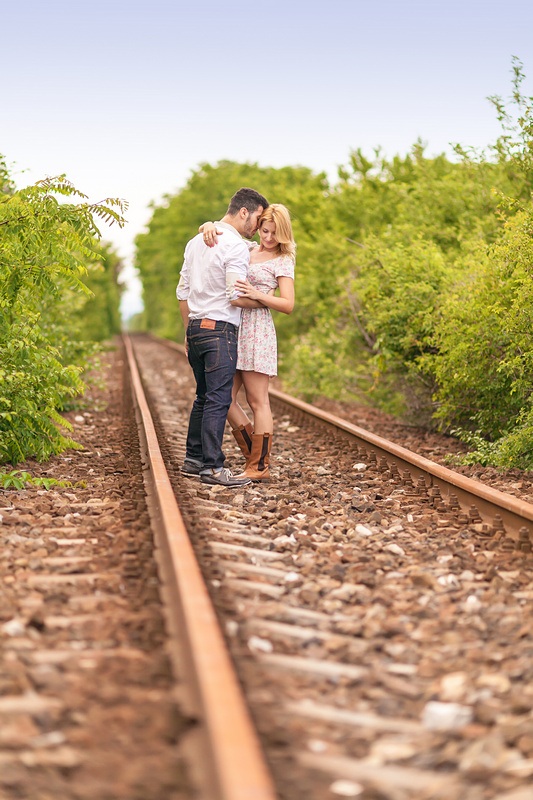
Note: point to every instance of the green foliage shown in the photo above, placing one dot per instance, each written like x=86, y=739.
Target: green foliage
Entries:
x=19, y=479
x=159, y=254
x=439, y=199
x=33, y=385
x=484, y=359
x=7, y=186
x=398, y=281
x=483, y=362
x=48, y=245
x=514, y=148
x=413, y=280
x=100, y=313
x=395, y=290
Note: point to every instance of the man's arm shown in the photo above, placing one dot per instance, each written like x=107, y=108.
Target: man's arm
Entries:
x=182, y=293
x=184, y=310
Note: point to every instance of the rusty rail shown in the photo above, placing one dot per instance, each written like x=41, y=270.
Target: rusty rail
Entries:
x=237, y=767
x=504, y=512
x=491, y=504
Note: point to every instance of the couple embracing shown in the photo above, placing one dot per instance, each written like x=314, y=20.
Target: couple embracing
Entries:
x=227, y=288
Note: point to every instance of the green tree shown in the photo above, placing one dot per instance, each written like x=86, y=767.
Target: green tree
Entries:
x=484, y=358
x=413, y=279
x=100, y=313
x=47, y=242
x=159, y=251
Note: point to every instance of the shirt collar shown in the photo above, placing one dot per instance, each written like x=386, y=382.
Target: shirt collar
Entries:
x=229, y=227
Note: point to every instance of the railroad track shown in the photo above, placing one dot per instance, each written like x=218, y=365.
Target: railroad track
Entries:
x=347, y=632
x=502, y=514
x=88, y=709
x=234, y=768
x=358, y=602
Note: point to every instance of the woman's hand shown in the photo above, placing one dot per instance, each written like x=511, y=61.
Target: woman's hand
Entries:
x=210, y=232
x=283, y=303
x=245, y=289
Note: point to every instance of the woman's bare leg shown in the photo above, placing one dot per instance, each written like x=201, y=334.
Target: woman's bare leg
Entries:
x=236, y=415
x=256, y=388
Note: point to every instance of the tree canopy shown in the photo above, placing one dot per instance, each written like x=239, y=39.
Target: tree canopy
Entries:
x=52, y=267
x=413, y=279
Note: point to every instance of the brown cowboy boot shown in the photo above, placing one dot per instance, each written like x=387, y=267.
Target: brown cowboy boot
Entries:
x=258, y=467
x=243, y=437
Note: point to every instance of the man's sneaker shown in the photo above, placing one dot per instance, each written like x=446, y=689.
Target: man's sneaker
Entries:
x=223, y=477
x=191, y=466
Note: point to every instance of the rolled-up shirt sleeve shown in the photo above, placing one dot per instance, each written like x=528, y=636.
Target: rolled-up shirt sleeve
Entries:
x=237, y=261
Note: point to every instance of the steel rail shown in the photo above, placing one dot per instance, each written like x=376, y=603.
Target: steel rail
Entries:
x=239, y=771
x=515, y=515
x=503, y=511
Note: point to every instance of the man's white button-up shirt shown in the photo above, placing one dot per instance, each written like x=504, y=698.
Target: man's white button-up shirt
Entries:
x=205, y=275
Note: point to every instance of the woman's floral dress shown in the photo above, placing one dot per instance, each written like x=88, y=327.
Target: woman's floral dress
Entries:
x=258, y=346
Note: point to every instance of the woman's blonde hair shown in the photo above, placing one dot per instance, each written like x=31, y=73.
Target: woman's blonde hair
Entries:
x=279, y=215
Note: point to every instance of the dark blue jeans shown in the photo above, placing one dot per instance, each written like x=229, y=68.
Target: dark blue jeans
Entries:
x=213, y=358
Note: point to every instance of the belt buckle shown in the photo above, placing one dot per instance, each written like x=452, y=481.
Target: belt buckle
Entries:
x=208, y=323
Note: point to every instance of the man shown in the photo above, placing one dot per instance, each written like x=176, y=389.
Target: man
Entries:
x=211, y=313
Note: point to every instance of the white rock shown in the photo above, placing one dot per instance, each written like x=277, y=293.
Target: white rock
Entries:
x=232, y=627
x=494, y=681
x=344, y=592
x=258, y=645
x=345, y=788
x=448, y=580
x=291, y=577
x=52, y=739
x=317, y=746
x=446, y=716
x=359, y=467
x=395, y=548
x=398, y=528
x=15, y=627
x=284, y=540
x=472, y=604
x=453, y=686
x=362, y=530
x=391, y=749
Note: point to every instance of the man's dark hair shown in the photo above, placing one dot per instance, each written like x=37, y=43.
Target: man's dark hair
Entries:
x=248, y=199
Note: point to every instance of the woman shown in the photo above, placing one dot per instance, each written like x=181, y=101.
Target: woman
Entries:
x=271, y=268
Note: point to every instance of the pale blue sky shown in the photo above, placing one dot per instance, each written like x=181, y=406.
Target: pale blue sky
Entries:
x=128, y=97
